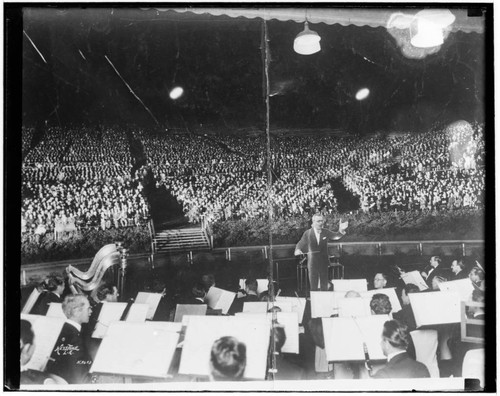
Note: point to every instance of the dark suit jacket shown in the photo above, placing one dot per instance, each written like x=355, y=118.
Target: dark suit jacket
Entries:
x=237, y=305
x=407, y=317
x=42, y=305
x=192, y=301
x=402, y=366
x=461, y=275
x=438, y=271
x=317, y=254
x=288, y=370
x=70, y=359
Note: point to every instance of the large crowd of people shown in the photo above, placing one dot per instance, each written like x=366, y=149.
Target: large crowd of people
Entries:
x=84, y=174
x=79, y=178
x=226, y=177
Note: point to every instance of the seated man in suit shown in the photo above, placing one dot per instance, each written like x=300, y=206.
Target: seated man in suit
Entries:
x=197, y=296
x=433, y=269
x=29, y=376
x=380, y=304
x=228, y=359
x=70, y=359
x=399, y=364
x=458, y=270
x=251, y=295
x=53, y=287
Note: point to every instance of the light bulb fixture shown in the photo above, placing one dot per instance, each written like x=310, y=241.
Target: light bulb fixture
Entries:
x=307, y=42
x=430, y=26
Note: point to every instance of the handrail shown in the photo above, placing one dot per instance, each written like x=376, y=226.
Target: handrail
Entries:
x=290, y=246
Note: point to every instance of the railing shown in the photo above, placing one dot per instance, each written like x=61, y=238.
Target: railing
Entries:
x=152, y=233
x=377, y=248
x=282, y=253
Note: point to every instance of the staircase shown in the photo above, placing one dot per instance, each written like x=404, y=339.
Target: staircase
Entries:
x=180, y=240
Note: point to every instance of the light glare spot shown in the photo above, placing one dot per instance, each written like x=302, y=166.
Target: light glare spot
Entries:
x=362, y=93
x=176, y=93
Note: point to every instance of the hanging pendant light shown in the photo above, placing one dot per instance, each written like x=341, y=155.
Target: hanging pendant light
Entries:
x=430, y=26
x=307, y=42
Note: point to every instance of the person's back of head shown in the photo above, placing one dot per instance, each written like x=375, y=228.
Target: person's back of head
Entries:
x=252, y=285
x=198, y=290
x=208, y=281
x=54, y=282
x=27, y=338
x=395, y=337
x=352, y=294
x=227, y=359
x=279, y=336
x=380, y=304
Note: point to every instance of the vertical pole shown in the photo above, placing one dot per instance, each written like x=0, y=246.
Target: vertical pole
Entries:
x=123, y=272
x=265, y=62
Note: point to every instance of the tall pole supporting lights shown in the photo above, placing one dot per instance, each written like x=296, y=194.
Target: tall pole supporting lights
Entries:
x=307, y=41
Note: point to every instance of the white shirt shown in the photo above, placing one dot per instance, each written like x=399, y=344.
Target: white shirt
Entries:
x=78, y=326
x=392, y=355
x=317, y=235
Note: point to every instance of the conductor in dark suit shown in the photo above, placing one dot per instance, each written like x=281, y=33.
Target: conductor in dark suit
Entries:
x=70, y=359
x=314, y=243
x=395, y=338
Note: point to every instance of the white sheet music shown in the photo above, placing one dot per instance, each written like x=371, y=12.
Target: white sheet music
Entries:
x=220, y=299
x=55, y=311
x=322, y=304
x=435, y=307
x=415, y=278
x=110, y=312
x=345, y=285
x=349, y=307
x=46, y=330
x=298, y=305
x=152, y=299
x=290, y=322
x=189, y=309
x=202, y=331
x=389, y=292
x=139, y=349
x=30, y=302
x=137, y=313
x=256, y=307
x=262, y=285
x=344, y=337
x=462, y=286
